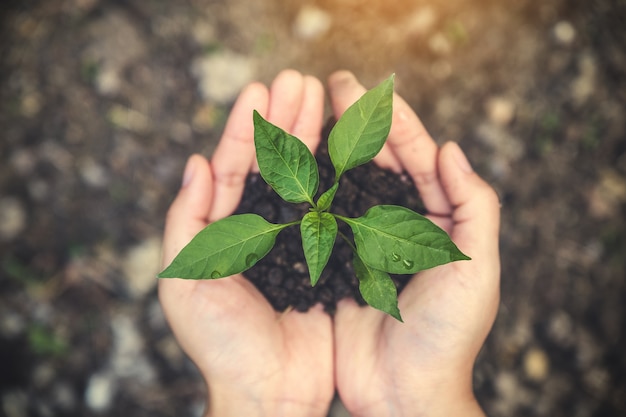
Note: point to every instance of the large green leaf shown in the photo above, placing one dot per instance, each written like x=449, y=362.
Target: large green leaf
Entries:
x=285, y=163
x=226, y=247
x=319, y=231
x=400, y=241
x=377, y=288
x=361, y=131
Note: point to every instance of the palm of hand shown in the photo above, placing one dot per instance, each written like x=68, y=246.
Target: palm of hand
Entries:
x=258, y=349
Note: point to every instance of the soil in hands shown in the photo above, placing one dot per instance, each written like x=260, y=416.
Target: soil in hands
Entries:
x=282, y=276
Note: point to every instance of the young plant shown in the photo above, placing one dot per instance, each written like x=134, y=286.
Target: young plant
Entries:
x=387, y=239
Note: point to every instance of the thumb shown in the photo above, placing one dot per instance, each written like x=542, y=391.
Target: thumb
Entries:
x=189, y=211
x=475, y=206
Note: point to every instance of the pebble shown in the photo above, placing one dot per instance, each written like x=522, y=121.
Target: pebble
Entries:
x=129, y=119
x=500, y=110
x=92, y=173
x=14, y=403
x=12, y=218
x=439, y=44
x=11, y=324
x=510, y=393
x=421, y=20
x=140, y=267
x=100, y=391
x=222, y=75
x=311, y=23
x=170, y=349
x=584, y=84
x=560, y=329
x=64, y=396
x=24, y=161
x=128, y=357
x=108, y=81
x=536, y=364
x=43, y=374
x=564, y=32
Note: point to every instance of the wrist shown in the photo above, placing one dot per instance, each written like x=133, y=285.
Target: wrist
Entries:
x=433, y=399
x=235, y=403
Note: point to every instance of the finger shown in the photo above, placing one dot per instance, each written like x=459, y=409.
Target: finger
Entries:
x=286, y=93
x=234, y=154
x=417, y=154
x=308, y=124
x=188, y=213
x=285, y=100
x=344, y=90
x=476, y=208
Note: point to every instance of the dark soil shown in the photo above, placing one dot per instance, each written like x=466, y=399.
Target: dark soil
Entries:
x=282, y=276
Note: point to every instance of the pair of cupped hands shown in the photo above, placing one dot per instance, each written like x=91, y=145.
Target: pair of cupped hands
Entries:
x=259, y=362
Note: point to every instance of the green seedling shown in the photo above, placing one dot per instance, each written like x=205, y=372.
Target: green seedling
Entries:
x=386, y=240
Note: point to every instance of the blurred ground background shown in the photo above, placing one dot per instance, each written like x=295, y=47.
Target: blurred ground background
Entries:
x=102, y=101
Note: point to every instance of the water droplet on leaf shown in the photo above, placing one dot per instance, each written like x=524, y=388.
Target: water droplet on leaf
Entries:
x=408, y=264
x=216, y=274
x=395, y=257
x=251, y=259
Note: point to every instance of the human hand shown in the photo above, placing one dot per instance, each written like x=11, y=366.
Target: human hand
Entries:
x=424, y=365
x=255, y=361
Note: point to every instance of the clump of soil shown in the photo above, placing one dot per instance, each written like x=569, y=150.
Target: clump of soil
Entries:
x=282, y=276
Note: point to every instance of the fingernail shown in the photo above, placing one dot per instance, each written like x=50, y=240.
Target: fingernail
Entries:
x=189, y=171
x=461, y=160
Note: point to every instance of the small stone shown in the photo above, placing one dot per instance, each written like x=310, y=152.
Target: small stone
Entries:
x=141, y=265
x=100, y=391
x=12, y=218
x=129, y=119
x=170, y=349
x=440, y=44
x=43, y=374
x=38, y=189
x=206, y=117
x=64, y=396
x=31, y=104
x=222, y=75
x=500, y=110
x=584, y=84
x=311, y=23
x=92, y=173
x=128, y=357
x=14, y=403
x=11, y=324
x=536, y=364
x=180, y=132
x=560, y=329
x=108, y=81
x=421, y=20
x=300, y=267
x=441, y=69
x=24, y=161
x=564, y=32
x=597, y=380
x=608, y=195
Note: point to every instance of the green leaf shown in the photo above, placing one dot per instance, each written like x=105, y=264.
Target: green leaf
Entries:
x=400, y=241
x=326, y=199
x=285, y=163
x=362, y=130
x=226, y=247
x=377, y=288
x=319, y=231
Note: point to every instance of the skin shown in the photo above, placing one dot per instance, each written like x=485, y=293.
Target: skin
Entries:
x=257, y=362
